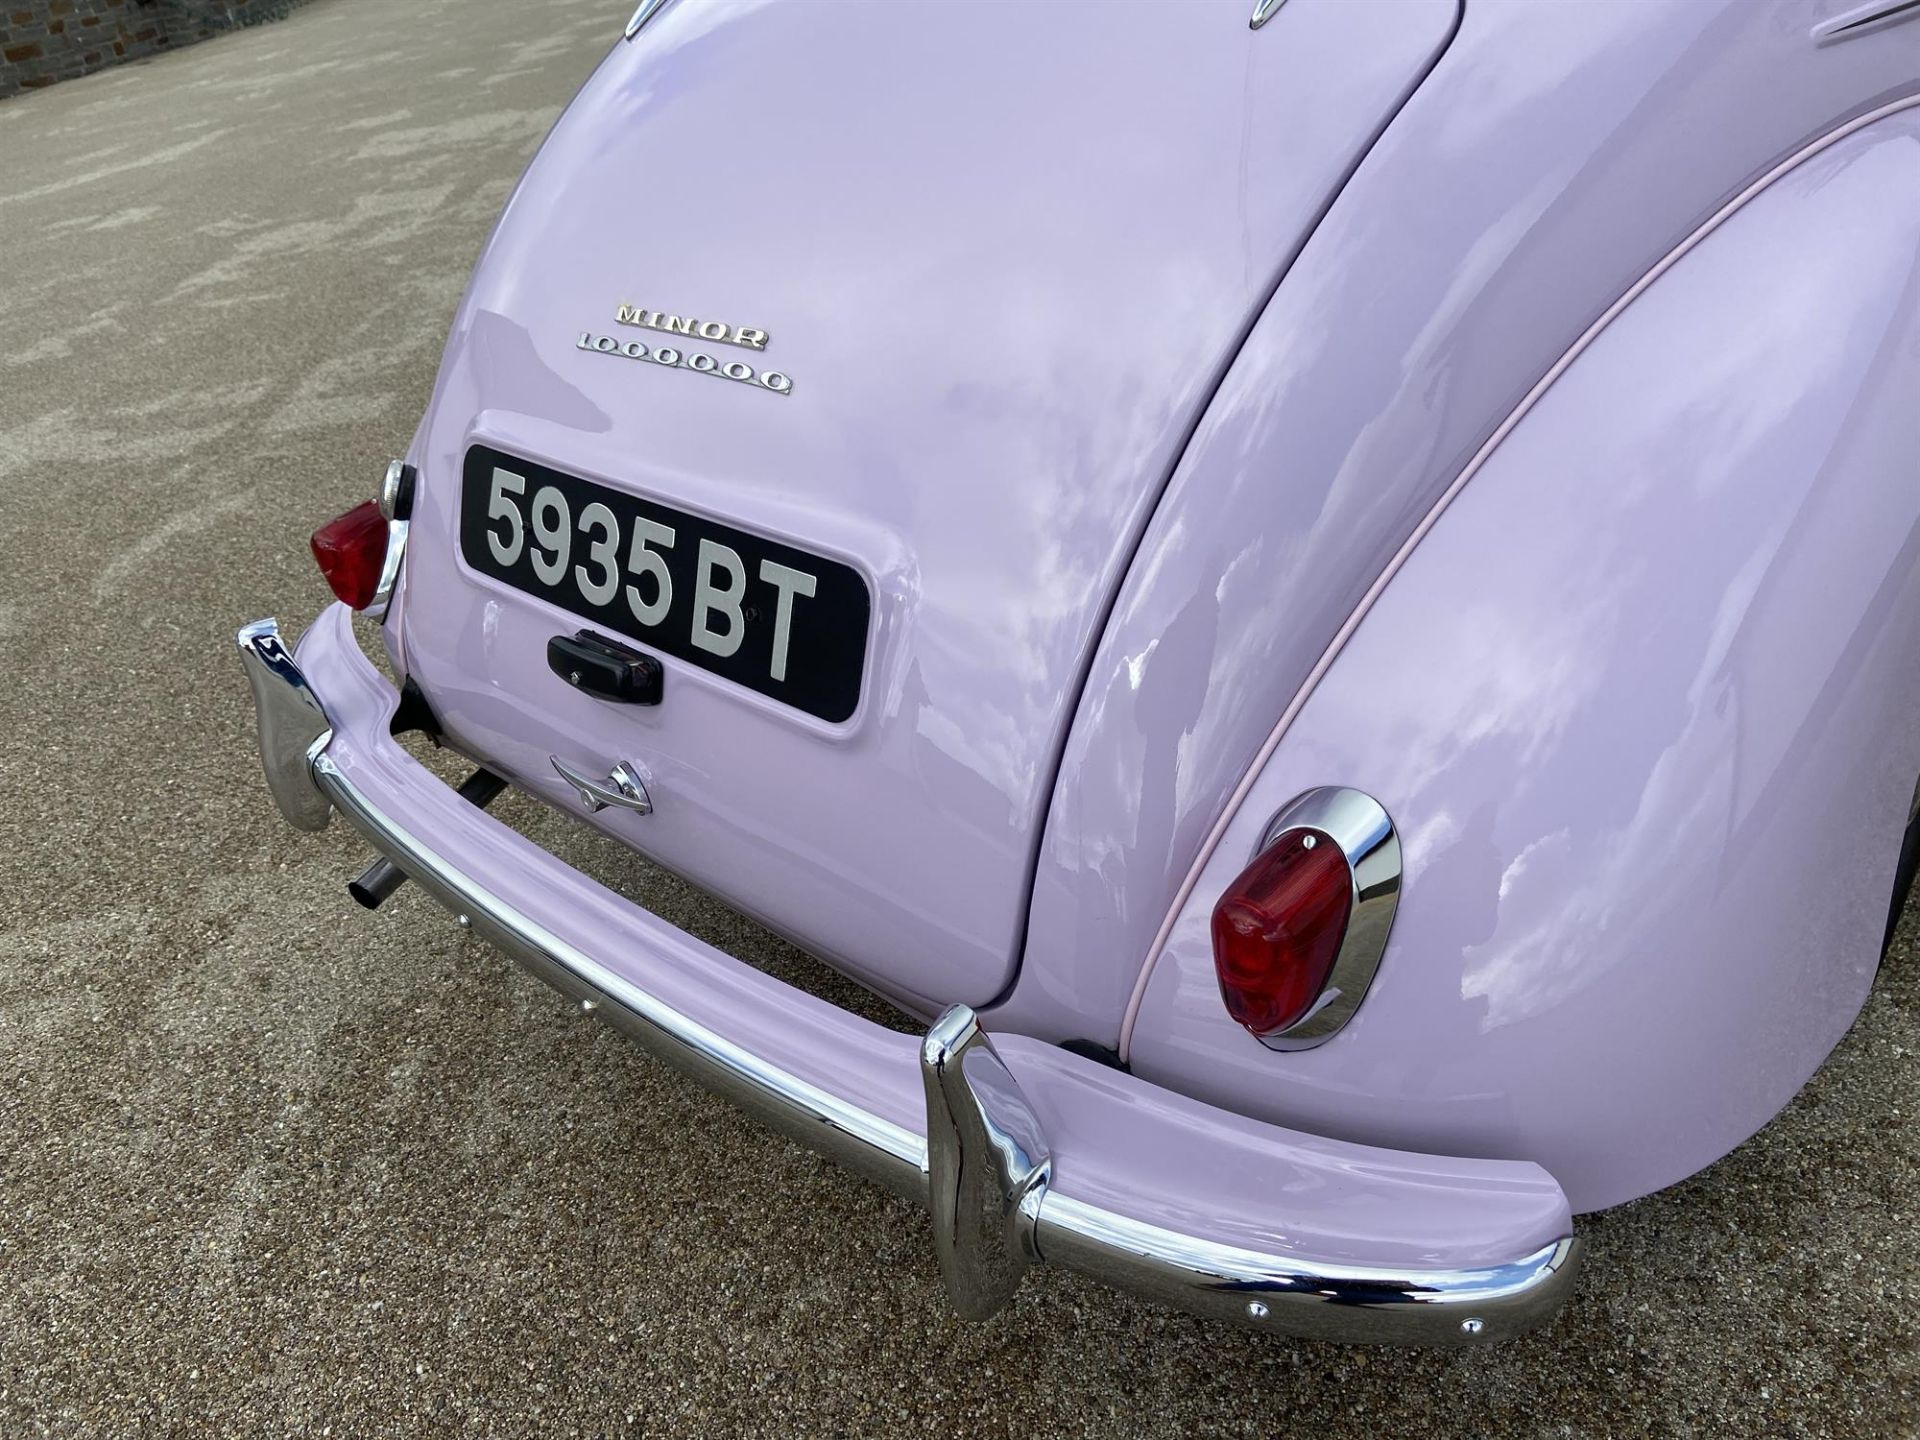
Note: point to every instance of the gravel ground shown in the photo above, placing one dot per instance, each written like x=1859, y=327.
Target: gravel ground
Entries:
x=272, y=1165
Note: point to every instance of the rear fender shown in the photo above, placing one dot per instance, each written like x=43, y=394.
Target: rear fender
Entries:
x=1554, y=155
x=1642, y=704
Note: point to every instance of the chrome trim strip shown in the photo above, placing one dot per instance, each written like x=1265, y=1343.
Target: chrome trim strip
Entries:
x=390, y=484
x=389, y=570
x=1365, y=834
x=396, y=502
x=1263, y=11
x=1875, y=16
x=1007, y=1197
x=646, y=10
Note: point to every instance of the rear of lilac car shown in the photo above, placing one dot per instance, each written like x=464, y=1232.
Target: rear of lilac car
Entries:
x=921, y=473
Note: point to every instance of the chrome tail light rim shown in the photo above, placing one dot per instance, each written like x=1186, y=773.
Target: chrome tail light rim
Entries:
x=1365, y=833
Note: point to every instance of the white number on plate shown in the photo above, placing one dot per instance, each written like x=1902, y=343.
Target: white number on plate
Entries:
x=604, y=552
x=555, y=533
x=642, y=561
x=500, y=506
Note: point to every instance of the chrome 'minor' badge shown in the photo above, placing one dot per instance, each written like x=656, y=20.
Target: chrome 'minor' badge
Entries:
x=691, y=328
x=678, y=358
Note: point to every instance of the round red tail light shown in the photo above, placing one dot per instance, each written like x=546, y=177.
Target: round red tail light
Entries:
x=1298, y=935
x=352, y=550
x=1278, y=928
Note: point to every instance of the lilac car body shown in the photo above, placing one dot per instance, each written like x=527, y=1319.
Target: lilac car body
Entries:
x=1504, y=411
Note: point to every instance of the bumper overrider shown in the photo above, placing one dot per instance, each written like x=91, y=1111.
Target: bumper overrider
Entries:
x=1023, y=1152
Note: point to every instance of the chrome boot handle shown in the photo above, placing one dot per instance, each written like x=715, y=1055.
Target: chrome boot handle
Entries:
x=623, y=787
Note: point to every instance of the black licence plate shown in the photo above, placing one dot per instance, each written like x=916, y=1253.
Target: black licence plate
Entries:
x=788, y=624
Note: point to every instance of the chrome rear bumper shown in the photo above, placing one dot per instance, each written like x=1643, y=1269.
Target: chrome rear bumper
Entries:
x=1020, y=1151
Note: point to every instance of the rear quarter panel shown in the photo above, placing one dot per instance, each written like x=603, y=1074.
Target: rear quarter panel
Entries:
x=1643, y=705
x=1555, y=154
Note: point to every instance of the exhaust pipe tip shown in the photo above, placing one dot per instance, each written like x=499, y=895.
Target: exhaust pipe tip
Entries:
x=376, y=883
x=383, y=877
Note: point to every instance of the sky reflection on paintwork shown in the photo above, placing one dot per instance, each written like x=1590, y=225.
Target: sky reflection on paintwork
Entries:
x=1002, y=299
x=1551, y=158
x=1612, y=701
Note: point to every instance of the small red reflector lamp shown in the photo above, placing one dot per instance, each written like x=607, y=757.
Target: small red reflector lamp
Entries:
x=1278, y=929
x=352, y=551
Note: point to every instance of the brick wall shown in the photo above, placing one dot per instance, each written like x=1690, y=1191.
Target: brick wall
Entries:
x=42, y=41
